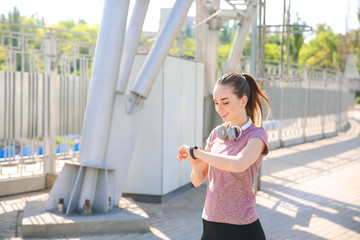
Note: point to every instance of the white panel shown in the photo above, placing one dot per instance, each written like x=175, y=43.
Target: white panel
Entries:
x=200, y=68
x=198, y=78
x=172, y=116
x=173, y=125
x=180, y=114
x=144, y=175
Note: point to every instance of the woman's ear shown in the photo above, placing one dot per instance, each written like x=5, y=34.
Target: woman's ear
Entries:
x=244, y=101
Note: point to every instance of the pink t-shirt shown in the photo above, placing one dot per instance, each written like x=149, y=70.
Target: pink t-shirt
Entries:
x=229, y=197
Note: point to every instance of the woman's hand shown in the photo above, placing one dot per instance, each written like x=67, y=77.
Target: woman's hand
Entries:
x=184, y=154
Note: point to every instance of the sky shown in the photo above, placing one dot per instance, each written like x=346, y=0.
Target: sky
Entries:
x=340, y=15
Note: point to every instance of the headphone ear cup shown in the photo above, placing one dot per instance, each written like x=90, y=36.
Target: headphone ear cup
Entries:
x=234, y=132
x=221, y=132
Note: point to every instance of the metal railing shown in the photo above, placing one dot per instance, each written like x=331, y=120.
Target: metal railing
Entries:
x=44, y=83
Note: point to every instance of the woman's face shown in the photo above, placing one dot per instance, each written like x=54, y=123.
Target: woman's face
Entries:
x=228, y=105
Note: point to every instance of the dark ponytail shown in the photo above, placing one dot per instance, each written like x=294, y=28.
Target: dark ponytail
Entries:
x=245, y=85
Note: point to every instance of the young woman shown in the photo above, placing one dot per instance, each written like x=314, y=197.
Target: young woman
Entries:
x=231, y=159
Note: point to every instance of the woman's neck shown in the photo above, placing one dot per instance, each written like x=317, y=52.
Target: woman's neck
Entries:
x=241, y=121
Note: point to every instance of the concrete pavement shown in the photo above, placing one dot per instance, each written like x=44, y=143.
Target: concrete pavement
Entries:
x=308, y=191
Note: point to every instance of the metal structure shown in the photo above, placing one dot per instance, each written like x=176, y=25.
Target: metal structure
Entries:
x=100, y=176
x=44, y=97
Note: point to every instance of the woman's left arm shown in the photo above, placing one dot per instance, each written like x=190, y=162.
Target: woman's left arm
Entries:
x=238, y=163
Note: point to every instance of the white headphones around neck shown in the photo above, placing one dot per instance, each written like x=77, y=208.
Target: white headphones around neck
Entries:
x=232, y=132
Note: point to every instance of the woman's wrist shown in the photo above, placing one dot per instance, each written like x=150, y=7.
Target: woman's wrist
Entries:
x=192, y=149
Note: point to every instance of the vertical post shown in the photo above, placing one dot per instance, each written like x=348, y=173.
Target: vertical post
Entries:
x=288, y=41
x=206, y=52
x=323, y=118
x=282, y=43
x=340, y=87
x=260, y=69
x=282, y=105
x=306, y=95
x=50, y=105
x=261, y=40
x=253, y=38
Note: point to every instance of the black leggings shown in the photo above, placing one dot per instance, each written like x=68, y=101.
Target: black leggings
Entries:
x=225, y=231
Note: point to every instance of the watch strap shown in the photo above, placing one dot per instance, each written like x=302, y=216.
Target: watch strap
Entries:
x=192, y=151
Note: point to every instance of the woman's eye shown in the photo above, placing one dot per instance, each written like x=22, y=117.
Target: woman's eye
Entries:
x=225, y=103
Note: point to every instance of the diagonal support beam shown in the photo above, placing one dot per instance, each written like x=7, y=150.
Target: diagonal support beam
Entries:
x=239, y=41
x=159, y=51
x=132, y=37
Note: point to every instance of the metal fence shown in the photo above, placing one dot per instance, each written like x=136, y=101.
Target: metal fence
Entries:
x=308, y=103
x=44, y=82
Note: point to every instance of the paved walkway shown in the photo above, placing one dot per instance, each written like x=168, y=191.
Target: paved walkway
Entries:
x=309, y=191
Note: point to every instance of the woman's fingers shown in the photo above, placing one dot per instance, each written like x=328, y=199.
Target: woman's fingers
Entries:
x=183, y=153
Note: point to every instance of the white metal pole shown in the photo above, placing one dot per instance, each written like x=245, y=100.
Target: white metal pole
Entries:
x=101, y=98
x=339, y=81
x=306, y=86
x=239, y=41
x=160, y=49
x=206, y=52
x=323, y=117
x=50, y=104
x=253, y=38
x=132, y=37
x=282, y=44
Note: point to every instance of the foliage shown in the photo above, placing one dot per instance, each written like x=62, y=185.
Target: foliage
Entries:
x=322, y=51
x=349, y=43
x=188, y=47
x=272, y=51
x=37, y=28
x=296, y=40
x=357, y=100
x=224, y=50
x=273, y=43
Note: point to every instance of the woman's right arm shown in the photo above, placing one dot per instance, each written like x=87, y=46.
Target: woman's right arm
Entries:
x=200, y=170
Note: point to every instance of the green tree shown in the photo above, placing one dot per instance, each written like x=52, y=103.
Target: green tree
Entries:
x=296, y=40
x=14, y=17
x=321, y=51
x=272, y=51
x=273, y=45
x=357, y=42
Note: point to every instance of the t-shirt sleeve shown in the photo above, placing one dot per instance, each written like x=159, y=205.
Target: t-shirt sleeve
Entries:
x=210, y=139
x=261, y=133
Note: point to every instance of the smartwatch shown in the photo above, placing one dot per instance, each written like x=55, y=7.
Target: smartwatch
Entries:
x=192, y=151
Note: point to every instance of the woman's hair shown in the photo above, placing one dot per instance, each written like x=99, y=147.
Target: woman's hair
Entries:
x=245, y=85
